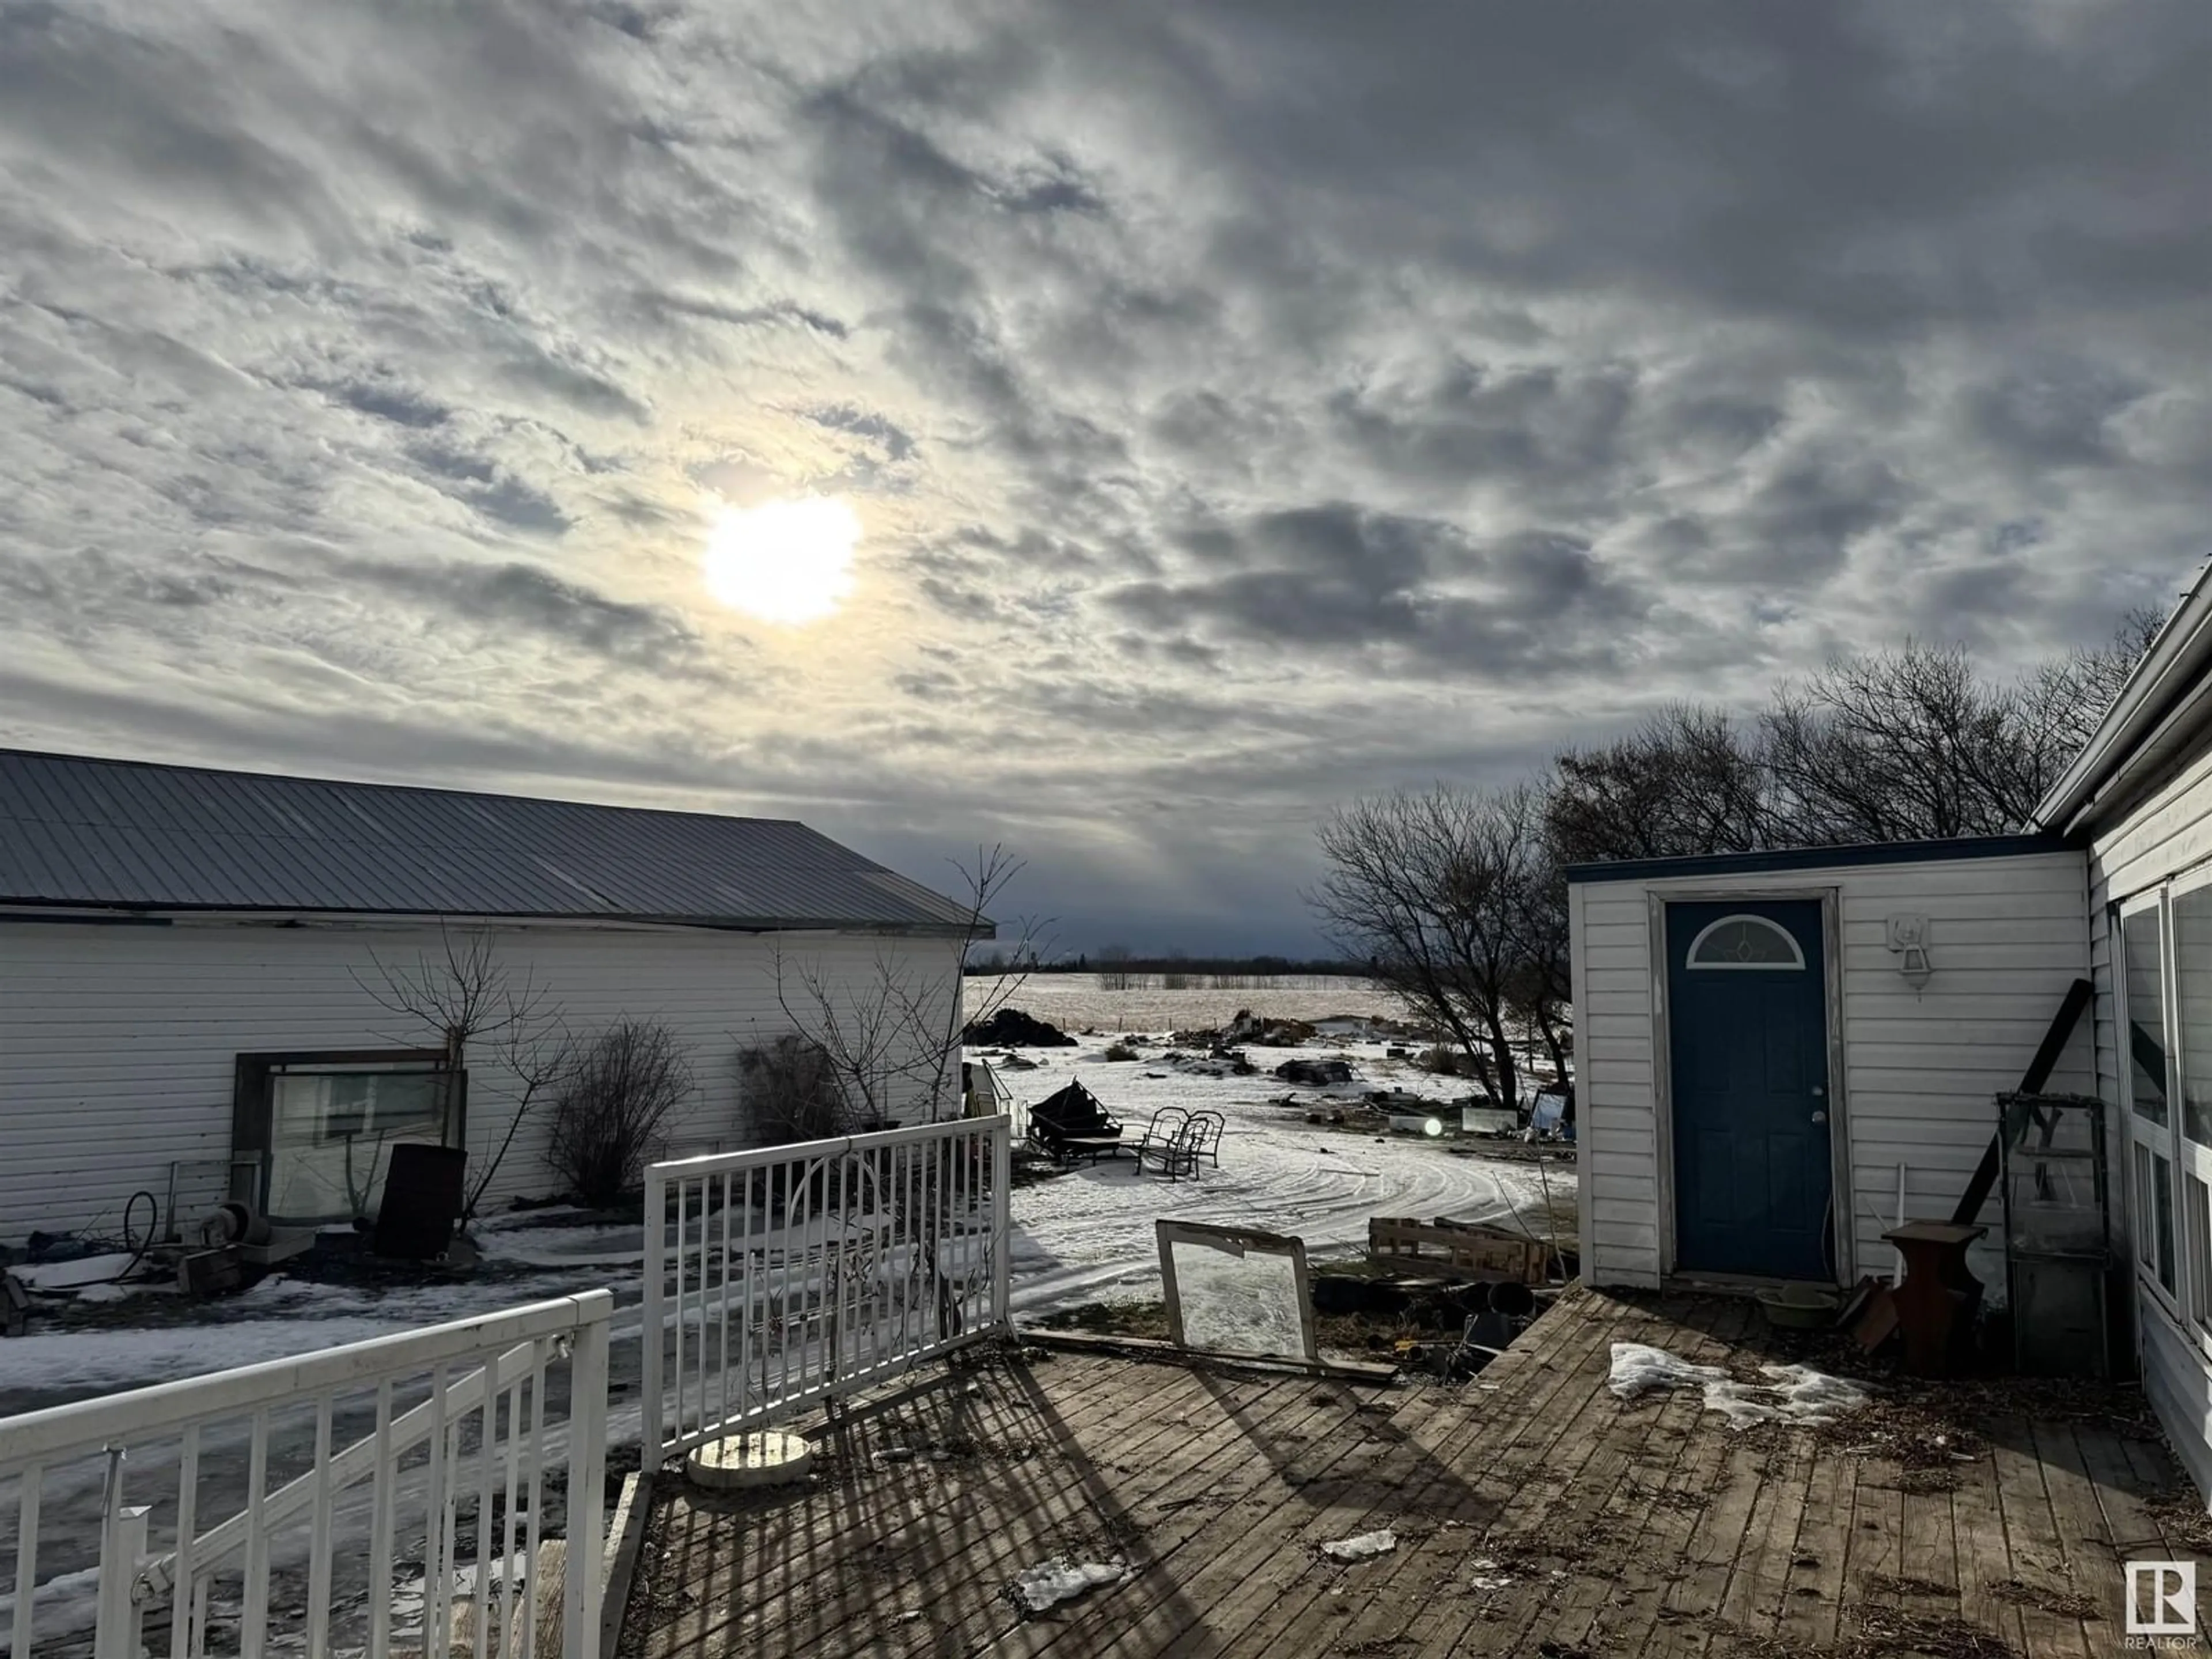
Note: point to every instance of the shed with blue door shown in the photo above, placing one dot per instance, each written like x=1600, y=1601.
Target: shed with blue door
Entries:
x=1778, y=1053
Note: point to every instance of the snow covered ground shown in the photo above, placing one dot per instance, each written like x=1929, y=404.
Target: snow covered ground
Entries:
x=1084, y=1235
x=1081, y=1237
x=1088, y=1236
x=1079, y=1001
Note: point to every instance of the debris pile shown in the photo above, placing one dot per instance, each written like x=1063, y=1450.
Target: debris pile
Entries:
x=1315, y=1073
x=1220, y=1062
x=1010, y=1028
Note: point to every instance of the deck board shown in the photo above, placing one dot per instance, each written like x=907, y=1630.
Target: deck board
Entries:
x=1619, y=1528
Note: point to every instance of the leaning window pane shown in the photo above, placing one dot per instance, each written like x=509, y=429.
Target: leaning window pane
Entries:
x=1237, y=1302
x=2146, y=980
x=2192, y=995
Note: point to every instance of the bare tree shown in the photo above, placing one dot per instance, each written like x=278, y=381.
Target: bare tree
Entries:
x=2061, y=703
x=792, y=1090
x=460, y=993
x=1907, y=745
x=611, y=1103
x=1449, y=894
x=894, y=1034
x=1689, y=780
x=1113, y=967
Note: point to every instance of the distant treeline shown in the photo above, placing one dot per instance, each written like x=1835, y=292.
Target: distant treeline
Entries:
x=1228, y=973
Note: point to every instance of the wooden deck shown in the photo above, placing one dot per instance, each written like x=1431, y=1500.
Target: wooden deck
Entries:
x=1534, y=1512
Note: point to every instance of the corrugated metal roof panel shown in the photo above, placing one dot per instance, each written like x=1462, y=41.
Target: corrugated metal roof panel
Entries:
x=76, y=830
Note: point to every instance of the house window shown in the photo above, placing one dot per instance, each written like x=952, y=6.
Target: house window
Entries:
x=2143, y=951
x=2165, y=986
x=1745, y=942
x=2154, y=1208
x=2196, y=1225
x=323, y=1126
x=2144, y=983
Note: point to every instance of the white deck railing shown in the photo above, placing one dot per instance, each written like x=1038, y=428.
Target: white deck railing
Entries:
x=777, y=1276
x=459, y=1427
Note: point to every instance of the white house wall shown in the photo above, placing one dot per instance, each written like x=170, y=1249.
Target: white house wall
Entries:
x=2168, y=834
x=2006, y=936
x=118, y=1043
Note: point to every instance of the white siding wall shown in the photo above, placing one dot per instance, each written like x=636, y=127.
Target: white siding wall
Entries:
x=2167, y=834
x=118, y=1043
x=2006, y=936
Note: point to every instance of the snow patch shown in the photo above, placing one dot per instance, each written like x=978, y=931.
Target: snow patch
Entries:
x=1796, y=1393
x=1363, y=1546
x=71, y=1275
x=1039, y=1589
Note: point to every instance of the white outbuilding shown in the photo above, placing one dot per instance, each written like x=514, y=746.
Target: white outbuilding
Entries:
x=197, y=969
x=1778, y=1055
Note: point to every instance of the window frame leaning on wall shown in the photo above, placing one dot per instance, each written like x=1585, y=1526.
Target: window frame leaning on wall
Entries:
x=253, y=1093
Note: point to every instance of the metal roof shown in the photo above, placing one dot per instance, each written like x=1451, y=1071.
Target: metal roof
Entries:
x=80, y=831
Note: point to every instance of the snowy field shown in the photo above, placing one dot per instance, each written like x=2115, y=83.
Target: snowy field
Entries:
x=1075, y=1002
x=1087, y=1236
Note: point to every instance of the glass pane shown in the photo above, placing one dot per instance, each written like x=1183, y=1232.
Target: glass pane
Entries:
x=2154, y=1208
x=1243, y=1301
x=2146, y=991
x=331, y=1134
x=1745, y=942
x=2162, y=1201
x=2192, y=996
x=2196, y=1221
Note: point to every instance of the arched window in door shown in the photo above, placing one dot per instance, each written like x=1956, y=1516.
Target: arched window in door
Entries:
x=1745, y=941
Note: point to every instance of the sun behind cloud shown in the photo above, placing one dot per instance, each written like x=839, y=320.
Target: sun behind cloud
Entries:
x=787, y=562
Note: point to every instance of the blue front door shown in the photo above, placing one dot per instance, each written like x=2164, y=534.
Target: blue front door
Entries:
x=1747, y=1030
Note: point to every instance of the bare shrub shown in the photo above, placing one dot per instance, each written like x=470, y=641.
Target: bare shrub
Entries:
x=1113, y=967
x=607, y=1117
x=1121, y=1051
x=792, y=1091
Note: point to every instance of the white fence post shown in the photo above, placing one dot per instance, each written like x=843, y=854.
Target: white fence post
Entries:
x=653, y=1440
x=588, y=1466
x=122, y=1548
x=1002, y=1179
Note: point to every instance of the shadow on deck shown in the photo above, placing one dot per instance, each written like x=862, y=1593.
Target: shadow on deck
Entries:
x=1534, y=1511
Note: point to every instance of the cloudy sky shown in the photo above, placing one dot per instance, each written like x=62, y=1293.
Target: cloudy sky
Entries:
x=1241, y=405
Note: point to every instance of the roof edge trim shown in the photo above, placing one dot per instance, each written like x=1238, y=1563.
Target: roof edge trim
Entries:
x=1849, y=856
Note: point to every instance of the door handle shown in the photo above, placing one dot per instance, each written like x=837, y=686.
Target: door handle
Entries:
x=1820, y=1117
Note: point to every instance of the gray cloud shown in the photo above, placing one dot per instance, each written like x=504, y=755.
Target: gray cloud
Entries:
x=523, y=596
x=1233, y=396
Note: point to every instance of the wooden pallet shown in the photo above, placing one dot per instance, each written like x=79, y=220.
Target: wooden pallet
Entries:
x=1457, y=1248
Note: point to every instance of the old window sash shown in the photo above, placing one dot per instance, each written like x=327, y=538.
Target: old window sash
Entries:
x=294, y=1112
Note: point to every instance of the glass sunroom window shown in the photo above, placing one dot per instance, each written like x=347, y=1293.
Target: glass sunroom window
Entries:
x=2143, y=952
x=2192, y=1001
x=2154, y=1207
